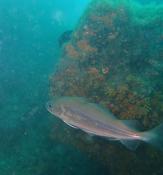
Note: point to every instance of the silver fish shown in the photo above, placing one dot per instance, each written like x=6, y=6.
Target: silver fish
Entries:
x=77, y=112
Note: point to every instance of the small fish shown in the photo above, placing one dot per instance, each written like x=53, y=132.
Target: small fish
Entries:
x=65, y=37
x=77, y=112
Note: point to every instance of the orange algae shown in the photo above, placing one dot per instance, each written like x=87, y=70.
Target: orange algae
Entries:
x=71, y=51
x=84, y=46
x=93, y=71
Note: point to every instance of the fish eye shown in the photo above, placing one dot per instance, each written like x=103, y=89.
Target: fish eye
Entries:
x=50, y=105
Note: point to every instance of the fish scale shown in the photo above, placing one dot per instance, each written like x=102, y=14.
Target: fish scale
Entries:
x=108, y=127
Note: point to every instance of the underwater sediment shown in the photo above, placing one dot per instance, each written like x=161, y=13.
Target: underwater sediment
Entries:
x=115, y=58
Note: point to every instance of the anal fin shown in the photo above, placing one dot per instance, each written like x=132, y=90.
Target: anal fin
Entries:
x=131, y=144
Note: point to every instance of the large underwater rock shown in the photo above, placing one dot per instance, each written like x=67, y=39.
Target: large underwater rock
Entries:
x=115, y=58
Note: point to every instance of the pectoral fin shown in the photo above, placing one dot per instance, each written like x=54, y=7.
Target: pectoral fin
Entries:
x=70, y=125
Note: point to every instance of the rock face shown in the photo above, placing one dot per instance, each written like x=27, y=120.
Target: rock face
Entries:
x=115, y=58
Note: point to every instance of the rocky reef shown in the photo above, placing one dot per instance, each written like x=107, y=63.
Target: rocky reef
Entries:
x=115, y=58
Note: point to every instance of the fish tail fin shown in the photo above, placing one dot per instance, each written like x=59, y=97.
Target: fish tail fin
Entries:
x=154, y=136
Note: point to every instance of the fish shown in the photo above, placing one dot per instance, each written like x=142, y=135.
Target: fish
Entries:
x=94, y=119
x=65, y=37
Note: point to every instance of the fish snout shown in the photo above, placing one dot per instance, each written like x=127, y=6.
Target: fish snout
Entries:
x=49, y=106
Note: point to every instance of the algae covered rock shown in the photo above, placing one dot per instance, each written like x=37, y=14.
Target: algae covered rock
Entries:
x=115, y=58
